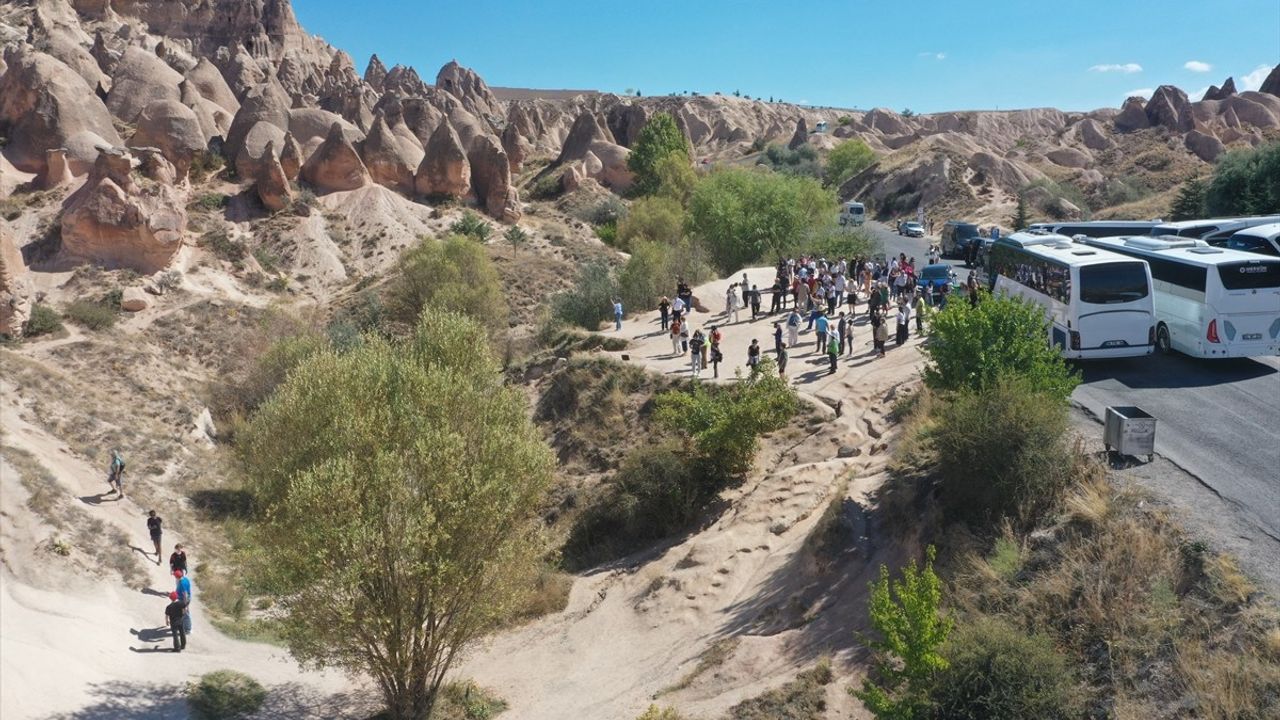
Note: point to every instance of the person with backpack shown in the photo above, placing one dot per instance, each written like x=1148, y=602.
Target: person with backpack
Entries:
x=675, y=334
x=664, y=311
x=175, y=618
x=115, y=474
x=153, y=527
x=178, y=559
x=696, y=345
x=793, y=328
x=717, y=357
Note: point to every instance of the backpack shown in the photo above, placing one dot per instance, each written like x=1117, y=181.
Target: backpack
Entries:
x=833, y=345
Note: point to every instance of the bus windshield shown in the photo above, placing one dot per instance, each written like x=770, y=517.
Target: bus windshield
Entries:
x=1118, y=282
x=1250, y=275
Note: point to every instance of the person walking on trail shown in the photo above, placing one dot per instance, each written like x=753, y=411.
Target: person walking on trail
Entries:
x=793, y=328
x=777, y=337
x=823, y=326
x=919, y=309
x=755, y=302
x=833, y=352
x=775, y=302
x=879, y=333
x=675, y=335
x=664, y=311
x=753, y=355
x=178, y=559
x=617, y=313
x=746, y=290
x=685, y=294
x=717, y=357
x=696, y=360
x=115, y=474
x=782, y=363
x=153, y=526
x=175, y=618
x=684, y=337
x=904, y=320
x=182, y=586
x=677, y=309
x=731, y=305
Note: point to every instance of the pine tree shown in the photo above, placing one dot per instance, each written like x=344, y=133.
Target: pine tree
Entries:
x=1019, y=219
x=1189, y=203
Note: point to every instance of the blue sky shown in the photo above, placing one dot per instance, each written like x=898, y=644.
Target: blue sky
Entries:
x=927, y=56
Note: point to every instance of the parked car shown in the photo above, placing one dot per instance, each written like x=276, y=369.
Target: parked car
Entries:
x=956, y=236
x=937, y=274
x=912, y=229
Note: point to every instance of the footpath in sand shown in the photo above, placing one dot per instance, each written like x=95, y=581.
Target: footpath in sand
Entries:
x=635, y=628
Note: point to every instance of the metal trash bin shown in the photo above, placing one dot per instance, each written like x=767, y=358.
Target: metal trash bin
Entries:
x=1130, y=431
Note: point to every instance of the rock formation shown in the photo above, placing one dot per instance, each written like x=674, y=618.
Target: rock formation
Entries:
x=291, y=157
x=491, y=179
x=209, y=82
x=596, y=155
x=445, y=169
x=335, y=165
x=272, y=184
x=1271, y=85
x=1133, y=116
x=1094, y=136
x=375, y=73
x=116, y=222
x=1169, y=108
x=464, y=84
x=265, y=102
x=174, y=129
x=516, y=147
x=56, y=172
x=390, y=160
x=253, y=149
x=15, y=286
x=141, y=78
x=1205, y=146
x=1220, y=93
x=800, y=136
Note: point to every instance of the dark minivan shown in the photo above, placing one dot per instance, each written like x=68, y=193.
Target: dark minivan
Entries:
x=956, y=237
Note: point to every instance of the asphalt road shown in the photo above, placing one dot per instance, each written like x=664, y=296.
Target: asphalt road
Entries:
x=1217, y=419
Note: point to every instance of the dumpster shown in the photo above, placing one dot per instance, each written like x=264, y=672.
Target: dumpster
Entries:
x=1130, y=431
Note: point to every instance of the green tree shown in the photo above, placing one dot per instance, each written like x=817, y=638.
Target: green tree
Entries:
x=846, y=160
x=472, y=226
x=653, y=267
x=399, y=487
x=1189, y=202
x=907, y=614
x=590, y=300
x=453, y=274
x=676, y=177
x=516, y=236
x=1245, y=182
x=1020, y=220
x=659, y=138
x=973, y=347
x=656, y=218
x=745, y=216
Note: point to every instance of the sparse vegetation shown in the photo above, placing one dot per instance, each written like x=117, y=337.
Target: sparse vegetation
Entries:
x=515, y=237
x=225, y=695
x=651, y=271
x=995, y=672
x=467, y=701
x=209, y=201
x=1189, y=204
x=656, y=219
x=473, y=226
x=590, y=301
x=802, y=161
x=94, y=315
x=43, y=320
x=223, y=247
x=804, y=698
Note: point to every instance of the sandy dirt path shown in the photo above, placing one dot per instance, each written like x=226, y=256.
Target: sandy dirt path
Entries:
x=634, y=628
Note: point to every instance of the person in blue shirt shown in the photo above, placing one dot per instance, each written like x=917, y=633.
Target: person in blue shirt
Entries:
x=617, y=314
x=183, y=586
x=822, y=325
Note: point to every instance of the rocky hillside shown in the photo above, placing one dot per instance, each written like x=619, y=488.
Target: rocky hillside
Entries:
x=122, y=120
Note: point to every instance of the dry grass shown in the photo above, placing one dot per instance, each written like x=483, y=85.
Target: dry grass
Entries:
x=716, y=654
x=801, y=699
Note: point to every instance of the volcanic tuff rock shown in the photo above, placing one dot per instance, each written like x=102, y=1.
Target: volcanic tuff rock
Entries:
x=57, y=171
x=1271, y=85
x=1206, y=147
x=1133, y=115
x=800, y=136
x=141, y=78
x=516, y=147
x=601, y=159
x=116, y=222
x=464, y=84
x=212, y=86
x=445, y=169
x=15, y=286
x=1169, y=107
x=253, y=151
x=390, y=160
x=491, y=179
x=1094, y=136
x=174, y=129
x=267, y=103
x=272, y=184
x=291, y=157
x=1220, y=93
x=43, y=105
x=335, y=165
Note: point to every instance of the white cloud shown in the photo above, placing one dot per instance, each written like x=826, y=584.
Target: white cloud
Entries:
x=1144, y=93
x=1253, y=80
x=1126, y=68
x=934, y=55
x=1197, y=66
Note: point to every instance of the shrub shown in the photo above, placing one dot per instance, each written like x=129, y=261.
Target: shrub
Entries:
x=515, y=237
x=676, y=177
x=43, y=321
x=998, y=673
x=453, y=274
x=804, y=698
x=225, y=694
x=656, y=713
x=846, y=160
x=801, y=161
x=610, y=210
x=608, y=234
x=210, y=201
x=223, y=247
x=907, y=616
x=971, y=347
x=546, y=187
x=468, y=701
x=1002, y=452
x=471, y=225
x=590, y=301
x=743, y=216
x=652, y=269
x=839, y=242
x=1245, y=182
x=659, y=138
x=658, y=219
x=92, y=315
x=1189, y=202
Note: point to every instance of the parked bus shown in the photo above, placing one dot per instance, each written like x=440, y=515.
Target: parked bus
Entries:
x=1210, y=302
x=853, y=213
x=1211, y=230
x=1260, y=239
x=1096, y=228
x=1098, y=303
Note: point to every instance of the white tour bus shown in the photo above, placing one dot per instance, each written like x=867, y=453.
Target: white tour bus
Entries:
x=1099, y=304
x=1211, y=230
x=1096, y=228
x=1260, y=239
x=853, y=213
x=1211, y=302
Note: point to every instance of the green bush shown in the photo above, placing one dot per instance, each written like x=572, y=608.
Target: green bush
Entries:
x=652, y=269
x=659, y=138
x=846, y=160
x=608, y=234
x=210, y=201
x=610, y=210
x=802, y=161
x=657, y=219
x=452, y=274
x=656, y=713
x=676, y=177
x=590, y=301
x=471, y=225
x=745, y=216
x=467, y=701
x=998, y=673
x=225, y=694
x=971, y=347
x=223, y=247
x=1002, y=452
x=43, y=321
x=92, y=315
x=547, y=187
x=1245, y=182
x=804, y=698
x=839, y=242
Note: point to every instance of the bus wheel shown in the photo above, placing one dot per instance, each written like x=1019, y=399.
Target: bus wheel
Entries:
x=1163, y=344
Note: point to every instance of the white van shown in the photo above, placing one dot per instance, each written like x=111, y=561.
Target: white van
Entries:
x=1261, y=239
x=853, y=213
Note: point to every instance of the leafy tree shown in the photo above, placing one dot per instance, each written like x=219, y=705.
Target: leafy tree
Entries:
x=907, y=615
x=657, y=218
x=1189, y=203
x=516, y=236
x=1245, y=182
x=676, y=177
x=974, y=347
x=907, y=113
x=653, y=267
x=743, y=216
x=590, y=301
x=659, y=138
x=473, y=226
x=846, y=160
x=1020, y=219
x=453, y=274
x=399, y=486
x=839, y=242
x=722, y=425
